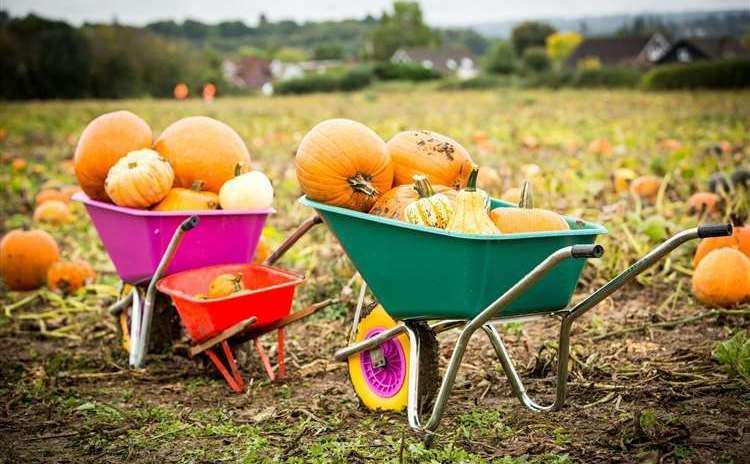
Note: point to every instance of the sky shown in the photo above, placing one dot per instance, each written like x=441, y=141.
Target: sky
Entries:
x=437, y=12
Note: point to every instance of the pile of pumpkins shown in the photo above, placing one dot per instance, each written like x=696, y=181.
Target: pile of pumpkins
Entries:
x=197, y=163
x=418, y=176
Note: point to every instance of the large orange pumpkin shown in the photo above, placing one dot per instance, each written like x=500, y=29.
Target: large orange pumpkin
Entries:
x=69, y=276
x=443, y=160
x=394, y=202
x=25, y=257
x=722, y=278
x=344, y=163
x=104, y=141
x=202, y=149
x=739, y=240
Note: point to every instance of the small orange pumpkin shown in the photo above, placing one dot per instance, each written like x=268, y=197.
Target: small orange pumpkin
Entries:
x=722, y=278
x=105, y=140
x=25, y=257
x=739, y=240
x=69, y=276
x=262, y=252
x=443, y=160
x=526, y=218
x=704, y=202
x=203, y=149
x=50, y=194
x=344, y=163
x=55, y=212
x=645, y=187
x=192, y=199
x=621, y=179
x=225, y=284
x=394, y=202
x=139, y=179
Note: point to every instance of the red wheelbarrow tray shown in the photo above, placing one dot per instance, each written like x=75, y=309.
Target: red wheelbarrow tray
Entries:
x=136, y=239
x=268, y=297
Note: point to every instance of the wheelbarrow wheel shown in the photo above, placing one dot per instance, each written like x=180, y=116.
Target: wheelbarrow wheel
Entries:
x=380, y=376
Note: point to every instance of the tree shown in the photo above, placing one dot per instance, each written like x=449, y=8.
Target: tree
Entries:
x=404, y=28
x=535, y=59
x=561, y=44
x=501, y=58
x=328, y=51
x=530, y=34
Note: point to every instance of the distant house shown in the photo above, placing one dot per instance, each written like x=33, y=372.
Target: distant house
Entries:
x=702, y=48
x=626, y=51
x=248, y=72
x=447, y=60
x=285, y=71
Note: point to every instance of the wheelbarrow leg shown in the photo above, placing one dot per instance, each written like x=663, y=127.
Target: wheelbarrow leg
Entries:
x=234, y=379
x=264, y=359
x=280, y=353
x=491, y=311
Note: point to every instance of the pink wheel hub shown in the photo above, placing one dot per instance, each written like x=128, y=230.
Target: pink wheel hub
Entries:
x=385, y=380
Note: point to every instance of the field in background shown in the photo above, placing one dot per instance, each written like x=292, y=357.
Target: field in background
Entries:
x=635, y=396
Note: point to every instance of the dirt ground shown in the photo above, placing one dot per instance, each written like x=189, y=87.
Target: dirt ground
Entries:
x=651, y=395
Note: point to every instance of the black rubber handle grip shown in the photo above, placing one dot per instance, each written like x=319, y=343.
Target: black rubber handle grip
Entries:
x=587, y=251
x=714, y=230
x=189, y=223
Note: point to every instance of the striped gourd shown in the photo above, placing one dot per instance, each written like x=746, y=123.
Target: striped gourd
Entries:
x=431, y=209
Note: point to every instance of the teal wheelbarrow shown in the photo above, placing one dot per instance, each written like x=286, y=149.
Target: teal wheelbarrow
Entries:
x=428, y=281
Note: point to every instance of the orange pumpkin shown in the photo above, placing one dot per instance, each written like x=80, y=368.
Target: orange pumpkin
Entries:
x=739, y=240
x=262, y=252
x=722, y=278
x=105, y=140
x=443, y=160
x=344, y=163
x=19, y=164
x=192, y=199
x=704, y=202
x=50, y=194
x=394, y=202
x=25, y=257
x=645, y=187
x=526, y=218
x=225, y=284
x=69, y=276
x=202, y=149
x=53, y=212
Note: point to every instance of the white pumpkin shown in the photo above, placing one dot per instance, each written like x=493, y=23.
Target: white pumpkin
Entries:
x=251, y=190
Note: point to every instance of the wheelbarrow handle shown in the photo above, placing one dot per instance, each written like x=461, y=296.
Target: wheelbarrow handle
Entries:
x=190, y=223
x=715, y=230
x=587, y=251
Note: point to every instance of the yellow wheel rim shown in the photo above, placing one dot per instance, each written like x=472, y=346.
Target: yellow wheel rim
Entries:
x=373, y=399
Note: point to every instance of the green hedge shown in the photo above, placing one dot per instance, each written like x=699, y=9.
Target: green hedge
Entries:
x=353, y=79
x=607, y=77
x=728, y=74
x=387, y=71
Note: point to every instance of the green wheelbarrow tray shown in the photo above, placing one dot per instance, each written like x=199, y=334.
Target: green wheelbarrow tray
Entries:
x=419, y=272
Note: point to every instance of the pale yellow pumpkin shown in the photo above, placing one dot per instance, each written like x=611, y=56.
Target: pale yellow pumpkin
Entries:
x=526, y=218
x=139, y=179
x=251, y=190
x=431, y=209
x=470, y=214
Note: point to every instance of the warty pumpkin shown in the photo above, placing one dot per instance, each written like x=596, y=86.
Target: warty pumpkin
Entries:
x=431, y=209
x=739, y=240
x=526, y=218
x=343, y=163
x=470, y=214
x=225, y=284
x=105, y=140
x=69, y=276
x=139, y=180
x=722, y=278
x=53, y=212
x=200, y=148
x=443, y=160
x=393, y=203
x=25, y=257
x=192, y=199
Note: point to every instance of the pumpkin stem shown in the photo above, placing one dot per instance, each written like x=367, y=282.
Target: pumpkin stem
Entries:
x=132, y=164
x=471, y=185
x=197, y=186
x=237, y=169
x=237, y=282
x=527, y=198
x=361, y=183
x=423, y=186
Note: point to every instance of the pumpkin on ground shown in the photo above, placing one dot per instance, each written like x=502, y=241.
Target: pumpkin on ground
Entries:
x=251, y=190
x=48, y=194
x=443, y=160
x=739, y=240
x=139, y=180
x=470, y=214
x=512, y=195
x=704, y=203
x=68, y=191
x=344, y=163
x=53, y=212
x=203, y=149
x=722, y=278
x=621, y=179
x=225, y=284
x=394, y=202
x=25, y=257
x=192, y=199
x=489, y=179
x=526, y=218
x=105, y=140
x=430, y=209
x=69, y=276
x=645, y=187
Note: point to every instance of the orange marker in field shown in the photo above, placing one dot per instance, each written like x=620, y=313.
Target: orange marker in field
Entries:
x=209, y=92
x=181, y=91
